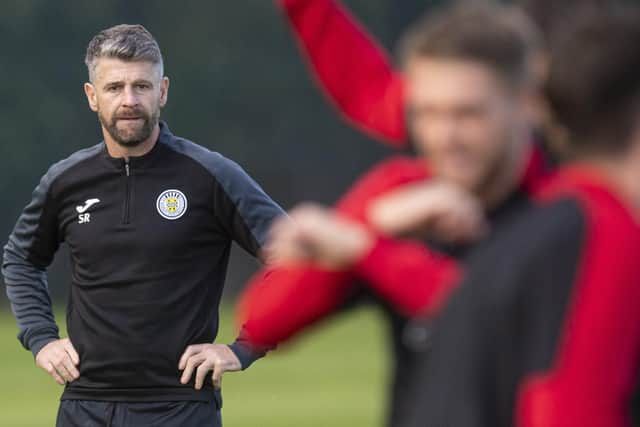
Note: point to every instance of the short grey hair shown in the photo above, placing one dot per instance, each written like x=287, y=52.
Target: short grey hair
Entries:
x=125, y=42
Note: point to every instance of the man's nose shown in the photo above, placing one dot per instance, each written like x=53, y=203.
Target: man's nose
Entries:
x=130, y=98
x=446, y=130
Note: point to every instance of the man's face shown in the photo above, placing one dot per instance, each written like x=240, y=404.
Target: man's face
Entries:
x=128, y=97
x=463, y=119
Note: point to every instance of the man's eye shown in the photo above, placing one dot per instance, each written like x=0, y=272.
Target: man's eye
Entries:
x=112, y=88
x=143, y=86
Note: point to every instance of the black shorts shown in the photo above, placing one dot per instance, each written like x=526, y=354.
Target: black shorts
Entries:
x=90, y=413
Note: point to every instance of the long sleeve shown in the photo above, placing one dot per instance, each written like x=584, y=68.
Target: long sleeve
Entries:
x=414, y=279
x=283, y=300
x=242, y=208
x=246, y=212
x=593, y=371
x=351, y=67
x=544, y=330
x=29, y=251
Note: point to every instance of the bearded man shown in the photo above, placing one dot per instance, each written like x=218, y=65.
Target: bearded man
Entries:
x=149, y=218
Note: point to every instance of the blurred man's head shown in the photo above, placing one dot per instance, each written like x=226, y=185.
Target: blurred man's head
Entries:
x=594, y=83
x=127, y=88
x=469, y=76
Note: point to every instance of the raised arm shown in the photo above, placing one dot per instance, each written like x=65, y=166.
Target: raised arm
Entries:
x=350, y=66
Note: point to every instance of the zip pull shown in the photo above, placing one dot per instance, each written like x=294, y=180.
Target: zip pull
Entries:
x=126, y=166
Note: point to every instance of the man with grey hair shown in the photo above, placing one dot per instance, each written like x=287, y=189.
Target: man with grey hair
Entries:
x=149, y=218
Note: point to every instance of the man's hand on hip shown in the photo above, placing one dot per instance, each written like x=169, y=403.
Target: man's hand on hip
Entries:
x=60, y=360
x=204, y=358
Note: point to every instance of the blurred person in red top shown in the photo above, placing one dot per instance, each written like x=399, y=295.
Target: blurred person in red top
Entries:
x=543, y=330
x=469, y=82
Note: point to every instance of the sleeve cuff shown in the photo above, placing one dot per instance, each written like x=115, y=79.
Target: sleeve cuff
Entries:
x=36, y=343
x=245, y=354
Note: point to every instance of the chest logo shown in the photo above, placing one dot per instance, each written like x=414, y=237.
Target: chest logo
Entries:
x=82, y=209
x=171, y=204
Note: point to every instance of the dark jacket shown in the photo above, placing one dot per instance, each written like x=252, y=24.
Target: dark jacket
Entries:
x=149, y=241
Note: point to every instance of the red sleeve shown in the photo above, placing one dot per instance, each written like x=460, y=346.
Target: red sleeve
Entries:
x=410, y=276
x=414, y=279
x=351, y=67
x=384, y=177
x=594, y=370
x=281, y=301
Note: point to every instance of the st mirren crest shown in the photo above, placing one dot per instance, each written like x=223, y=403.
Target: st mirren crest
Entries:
x=171, y=204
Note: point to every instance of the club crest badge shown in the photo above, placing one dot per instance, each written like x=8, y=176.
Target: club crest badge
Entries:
x=171, y=204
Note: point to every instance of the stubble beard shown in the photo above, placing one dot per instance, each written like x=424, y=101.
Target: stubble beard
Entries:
x=130, y=138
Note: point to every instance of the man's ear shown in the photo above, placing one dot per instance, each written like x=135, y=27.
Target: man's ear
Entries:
x=164, y=91
x=90, y=91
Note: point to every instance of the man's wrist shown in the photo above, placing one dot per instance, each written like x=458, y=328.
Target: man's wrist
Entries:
x=358, y=244
x=245, y=354
x=38, y=343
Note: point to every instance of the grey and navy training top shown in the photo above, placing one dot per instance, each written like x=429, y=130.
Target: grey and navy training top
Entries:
x=149, y=241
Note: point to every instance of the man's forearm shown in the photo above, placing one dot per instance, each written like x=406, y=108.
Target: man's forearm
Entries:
x=30, y=300
x=281, y=302
x=413, y=278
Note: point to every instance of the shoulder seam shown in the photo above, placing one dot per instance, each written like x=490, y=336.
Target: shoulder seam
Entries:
x=63, y=166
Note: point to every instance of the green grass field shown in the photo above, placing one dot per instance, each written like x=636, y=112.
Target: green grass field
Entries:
x=333, y=376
